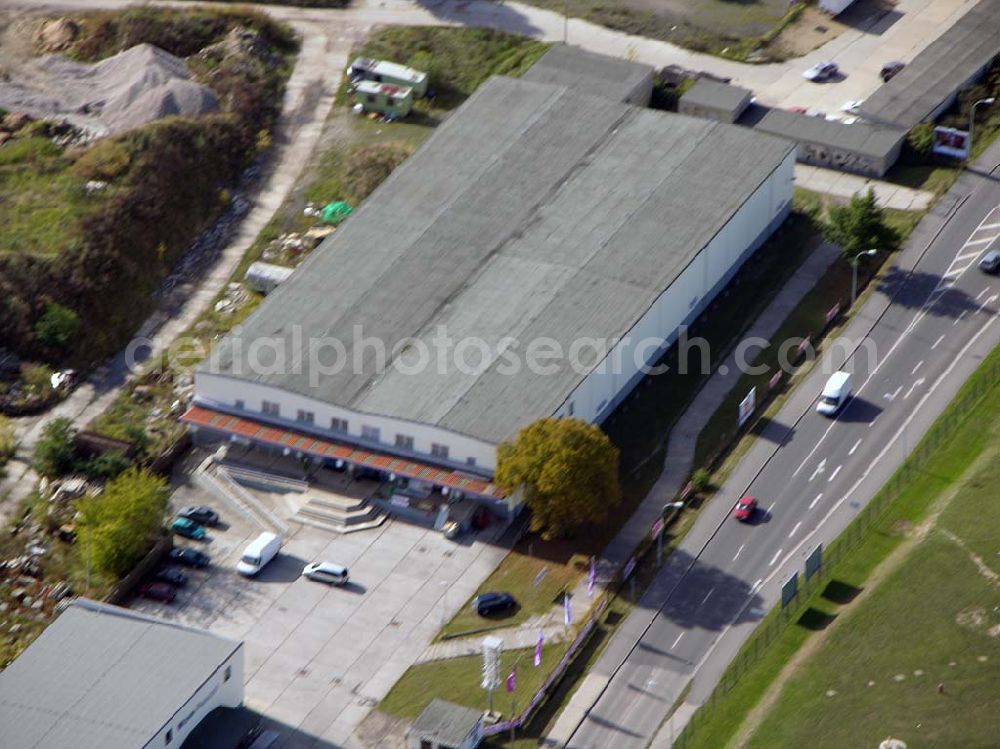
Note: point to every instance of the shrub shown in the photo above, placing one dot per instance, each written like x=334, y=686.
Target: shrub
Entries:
x=368, y=166
x=57, y=325
x=106, y=161
x=55, y=454
x=8, y=440
x=921, y=138
x=700, y=480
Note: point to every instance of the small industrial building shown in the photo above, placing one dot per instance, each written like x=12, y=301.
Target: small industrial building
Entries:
x=712, y=100
x=508, y=232
x=927, y=86
x=110, y=678
x=594, y=74
x=860, y=147
x=445, y=725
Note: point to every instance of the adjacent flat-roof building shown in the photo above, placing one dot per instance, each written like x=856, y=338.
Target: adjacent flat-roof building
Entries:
x=928, y=85
x=713, y=100
x=103, y=676
x=590, y=73
x=445, y=725
x=513, y=268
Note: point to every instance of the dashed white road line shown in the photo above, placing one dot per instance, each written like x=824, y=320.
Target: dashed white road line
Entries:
x=981, y=293
x=819, y=469
x=707, y=596
x=914, y=386
x=872, y=422
x=756, y=586
x=984, y=227
x=892, y=396
x=834, y=474
x=855, y=447
x=777, y=556
x=795, y=529
x=959, y=318
x=818, y=498
x=919, y=365
x=940, y=338
x=677, y=640
x=771, y=507
x=738, y=552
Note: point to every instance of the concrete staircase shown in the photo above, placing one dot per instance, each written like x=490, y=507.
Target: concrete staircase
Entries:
x=339, y=513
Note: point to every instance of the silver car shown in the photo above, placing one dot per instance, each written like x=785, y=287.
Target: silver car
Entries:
x=990, y=262
x=326, y=572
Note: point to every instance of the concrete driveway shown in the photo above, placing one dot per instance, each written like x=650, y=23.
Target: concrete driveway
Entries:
x=319, y=657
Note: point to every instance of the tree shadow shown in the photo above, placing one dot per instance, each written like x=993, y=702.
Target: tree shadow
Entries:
x=772, y=431
x=915, y=289
x=495, y=15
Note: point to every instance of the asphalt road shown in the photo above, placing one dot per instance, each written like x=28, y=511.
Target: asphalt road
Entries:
x=922, y=333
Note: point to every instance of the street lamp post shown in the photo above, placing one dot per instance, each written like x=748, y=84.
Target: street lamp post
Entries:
x=854, y=272
x=676, y=507
x=972, y=120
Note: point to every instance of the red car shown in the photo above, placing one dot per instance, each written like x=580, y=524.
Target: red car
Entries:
x=164, y=592
x=745, y=508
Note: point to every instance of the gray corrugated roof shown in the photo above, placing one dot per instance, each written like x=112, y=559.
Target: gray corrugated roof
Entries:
x=876, y=141
x=588, y=72
x=532, y=211
x=445, y=722
x=101, y=676
x=715, y=95
x=939, y=70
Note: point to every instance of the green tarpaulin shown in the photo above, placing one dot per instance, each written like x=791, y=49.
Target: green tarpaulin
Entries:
x=334, y=213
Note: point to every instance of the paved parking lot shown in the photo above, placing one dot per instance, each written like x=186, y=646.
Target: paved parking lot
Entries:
x=319, y=657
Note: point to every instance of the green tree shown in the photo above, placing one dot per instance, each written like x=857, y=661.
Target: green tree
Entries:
x=57, y=325
x=860, y=225
x=122, y=522
x=55, y=454
x=921, y=138
x=567, y=469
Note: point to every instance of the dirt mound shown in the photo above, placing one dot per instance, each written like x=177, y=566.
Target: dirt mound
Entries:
x=136, y=86
x=57, y=35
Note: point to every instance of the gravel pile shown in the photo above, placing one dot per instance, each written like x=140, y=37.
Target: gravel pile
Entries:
x=134, y=87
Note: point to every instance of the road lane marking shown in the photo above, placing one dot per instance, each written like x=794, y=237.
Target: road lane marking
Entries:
x=738, y=552
x=834, y=474
x=919, y=365
x=978, y=241
x=877, y=417
x=707, y=596
x=777, y=555
x=818, y=498
x=984, y=227
x=819, y=469
x=856, y=445
x=892, y=396
x=795, y=529
x=771, y=508
x=756, y=586
x=677, y=640
x=913, y=387
x=958, y=319
x=968, y=255
x=980, y=294
x=940, y=338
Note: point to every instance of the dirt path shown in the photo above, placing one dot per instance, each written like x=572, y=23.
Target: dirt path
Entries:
x=914, y=537
x=308, y=98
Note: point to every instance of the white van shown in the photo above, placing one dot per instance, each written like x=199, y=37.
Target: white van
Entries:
x=258, y=553
x=835, y=394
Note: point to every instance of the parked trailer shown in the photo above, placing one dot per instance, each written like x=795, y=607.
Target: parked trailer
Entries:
x=382, y=71
x=385, y=98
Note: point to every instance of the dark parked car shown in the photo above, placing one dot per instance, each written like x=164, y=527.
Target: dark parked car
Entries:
x=172, y=576
x=492, y=603
x=201, y=514
x=189, y=557
x=164, y=592
x=890, y=69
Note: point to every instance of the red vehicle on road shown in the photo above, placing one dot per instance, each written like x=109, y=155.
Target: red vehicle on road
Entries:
x=745, y=508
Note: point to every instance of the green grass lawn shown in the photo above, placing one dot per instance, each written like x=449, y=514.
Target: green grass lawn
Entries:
x=516, y=575
x=908, y=623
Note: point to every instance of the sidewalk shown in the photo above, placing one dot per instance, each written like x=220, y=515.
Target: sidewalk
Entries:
x=514, y=638
x=842, y=185
x=676, y=469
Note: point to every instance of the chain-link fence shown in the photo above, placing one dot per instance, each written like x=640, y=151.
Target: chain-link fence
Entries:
x=985, y=379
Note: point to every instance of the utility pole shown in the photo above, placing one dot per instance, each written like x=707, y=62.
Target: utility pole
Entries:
x=972, y=121
x=566, y=26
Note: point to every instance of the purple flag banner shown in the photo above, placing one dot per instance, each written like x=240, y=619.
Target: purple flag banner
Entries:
x=538, y=648
x=567, y=610
x=511, y=680
x=591, y=579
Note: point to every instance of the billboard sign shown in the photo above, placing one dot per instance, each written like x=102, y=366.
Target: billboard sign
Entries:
x=747, y=406
x=789, y=590
x=949, y=141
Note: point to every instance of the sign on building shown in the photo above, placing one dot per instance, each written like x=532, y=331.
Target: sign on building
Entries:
x=747, y=406
x=949, y=141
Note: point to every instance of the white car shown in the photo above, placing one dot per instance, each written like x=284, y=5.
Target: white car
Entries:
x=326, y=572
x=821, y=71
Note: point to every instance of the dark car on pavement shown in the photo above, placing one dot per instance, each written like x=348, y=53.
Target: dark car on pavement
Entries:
x=890, y=69
x=200, y=514
x=164, y=592
x=189, y=557
x=492, y=603
x=172, y=576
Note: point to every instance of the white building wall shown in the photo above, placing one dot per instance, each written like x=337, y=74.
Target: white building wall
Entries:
x=223, y=689
x=219, y=391
x=685, y=299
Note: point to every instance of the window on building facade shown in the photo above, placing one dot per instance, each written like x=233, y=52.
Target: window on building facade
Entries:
x=470, y=461
x=270, y=409
x=338, y=425
x=169, y=736
x=370, y=433
x=227, y=674
x=240, y=405
x=306, y=417
x=404, y=441
x=439, y=451
x=571, y=409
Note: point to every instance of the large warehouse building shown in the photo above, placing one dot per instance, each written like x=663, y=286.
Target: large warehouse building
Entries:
x=110, y=678
x=535, y=220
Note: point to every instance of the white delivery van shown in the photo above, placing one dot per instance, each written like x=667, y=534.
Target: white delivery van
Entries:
x=258, y=553
x=835, y=394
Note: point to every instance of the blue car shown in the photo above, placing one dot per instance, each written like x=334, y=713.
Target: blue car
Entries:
x=188, y=529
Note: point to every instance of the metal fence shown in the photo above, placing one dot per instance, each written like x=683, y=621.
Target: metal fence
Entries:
x=968, y=399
